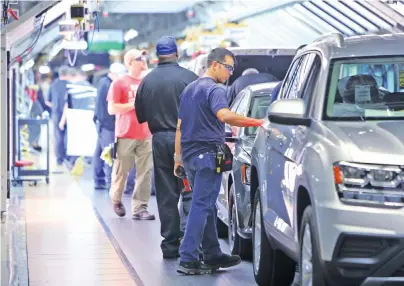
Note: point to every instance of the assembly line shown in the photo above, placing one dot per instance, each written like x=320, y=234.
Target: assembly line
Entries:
x=148, y=145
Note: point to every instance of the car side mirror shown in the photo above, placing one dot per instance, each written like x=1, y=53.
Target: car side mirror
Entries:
x=288, y=112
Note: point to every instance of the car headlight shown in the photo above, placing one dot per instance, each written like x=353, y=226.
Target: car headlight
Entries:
x=371, y=183
x=245, y=174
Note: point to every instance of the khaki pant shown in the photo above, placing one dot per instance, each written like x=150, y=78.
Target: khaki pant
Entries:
x=129, y=152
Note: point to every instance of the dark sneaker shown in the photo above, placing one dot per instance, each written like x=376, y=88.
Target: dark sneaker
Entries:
x=119, y=209
x=193, y=268
x=171, y=254
x=143, y=215
x=37, y=148
x=99, y=186
x=223, y=261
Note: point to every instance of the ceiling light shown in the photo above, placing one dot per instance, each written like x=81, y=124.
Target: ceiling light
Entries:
x=87, y=67
x=44, y=69
x=131, y=34
x=74, y=45
x=29, y=64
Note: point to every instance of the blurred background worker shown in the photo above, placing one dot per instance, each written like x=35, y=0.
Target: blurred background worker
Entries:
x=57, y=100
x=200, y=134
x=133, y=139
x=249, y=76
x=105, y=124
x=157, y=104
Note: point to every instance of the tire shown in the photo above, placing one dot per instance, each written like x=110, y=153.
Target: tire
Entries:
x=238, y=245
x=221, y=228
x=271, y=267
x=308, y=235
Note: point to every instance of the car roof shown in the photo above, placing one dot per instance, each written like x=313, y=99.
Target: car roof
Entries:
x=334, y=46
x=261, y=86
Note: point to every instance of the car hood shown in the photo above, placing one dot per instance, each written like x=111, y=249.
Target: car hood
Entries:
x=370, y=141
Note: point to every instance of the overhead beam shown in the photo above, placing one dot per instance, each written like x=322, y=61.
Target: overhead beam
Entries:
x=20, y=29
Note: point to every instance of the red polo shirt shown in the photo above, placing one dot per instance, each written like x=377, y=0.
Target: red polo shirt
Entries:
x=123, y=90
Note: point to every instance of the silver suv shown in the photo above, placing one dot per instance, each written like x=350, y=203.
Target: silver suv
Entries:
x=327, y=176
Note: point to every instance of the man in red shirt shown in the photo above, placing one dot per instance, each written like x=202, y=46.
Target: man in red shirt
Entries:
x=134, y=139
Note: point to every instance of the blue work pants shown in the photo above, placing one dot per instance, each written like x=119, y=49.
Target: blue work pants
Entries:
x=101, y=170
x=59, y=141
x=201, y=225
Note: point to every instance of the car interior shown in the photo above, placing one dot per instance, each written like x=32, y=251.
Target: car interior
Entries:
x=363, y=95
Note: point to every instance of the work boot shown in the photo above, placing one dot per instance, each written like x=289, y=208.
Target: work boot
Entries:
x=193, y=268
x=119, y=209
x=223, y=261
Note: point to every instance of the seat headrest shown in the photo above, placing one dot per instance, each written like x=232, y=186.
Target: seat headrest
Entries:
x=353, y=93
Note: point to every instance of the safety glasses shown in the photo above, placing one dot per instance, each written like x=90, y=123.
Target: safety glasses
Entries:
x=228, y=67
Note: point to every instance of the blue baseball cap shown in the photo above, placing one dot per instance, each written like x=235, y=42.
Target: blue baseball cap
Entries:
x=166, y=46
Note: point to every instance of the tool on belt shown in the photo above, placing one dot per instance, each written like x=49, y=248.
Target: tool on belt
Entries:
x=224, y=159
x=183, y=175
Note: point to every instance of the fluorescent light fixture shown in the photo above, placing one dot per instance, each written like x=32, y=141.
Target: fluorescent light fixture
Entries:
x=57, y=11
x=29, y=64
x=44, y=69
x=87, y=67
x=131, y=34
x=74, y=45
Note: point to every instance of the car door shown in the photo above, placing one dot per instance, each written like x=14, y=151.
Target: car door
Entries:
x=283, y=146
x=239, y=106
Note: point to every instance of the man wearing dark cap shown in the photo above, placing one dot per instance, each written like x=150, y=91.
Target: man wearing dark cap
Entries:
x=157, y=102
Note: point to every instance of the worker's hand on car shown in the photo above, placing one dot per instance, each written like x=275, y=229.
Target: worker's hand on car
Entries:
x=176, y=166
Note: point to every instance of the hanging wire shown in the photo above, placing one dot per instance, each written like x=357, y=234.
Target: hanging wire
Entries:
x=92, y=37
x=32, y=46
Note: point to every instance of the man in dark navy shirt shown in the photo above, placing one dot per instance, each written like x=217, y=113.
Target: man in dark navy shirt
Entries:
x=249, y=76
x=275, y=92
x=203, y=112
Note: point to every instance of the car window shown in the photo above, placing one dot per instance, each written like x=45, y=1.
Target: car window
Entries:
x=289, y=77
x=237, y=101
x=258, y=110
x=301, y=74
x=242, y=109
x=368, y=88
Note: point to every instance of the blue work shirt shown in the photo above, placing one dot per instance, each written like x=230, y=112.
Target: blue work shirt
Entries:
x=275, y=92
x=201, y=130
x=101, y=105
x=57, y=96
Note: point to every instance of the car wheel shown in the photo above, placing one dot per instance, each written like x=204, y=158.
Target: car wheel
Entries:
x=271, y=267
x=238, y=245
x=309, y=264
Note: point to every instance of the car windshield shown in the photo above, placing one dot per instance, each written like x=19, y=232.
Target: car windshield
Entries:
x=366, y=89
x=258, y=110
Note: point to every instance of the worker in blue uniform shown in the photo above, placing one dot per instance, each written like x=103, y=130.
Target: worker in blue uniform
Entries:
x=200, y=135
x=105, y=124
x=57, y=100
x=248, y=77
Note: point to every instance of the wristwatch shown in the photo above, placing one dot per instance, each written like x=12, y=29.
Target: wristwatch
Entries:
x=177, y=158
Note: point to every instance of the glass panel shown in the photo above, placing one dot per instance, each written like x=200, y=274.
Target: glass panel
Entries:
x=259, y=107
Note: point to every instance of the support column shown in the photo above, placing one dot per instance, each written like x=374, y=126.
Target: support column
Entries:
x=4, y=180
